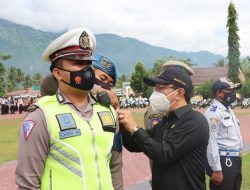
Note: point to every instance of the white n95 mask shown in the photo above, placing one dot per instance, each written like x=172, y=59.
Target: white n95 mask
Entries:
x=159, y=102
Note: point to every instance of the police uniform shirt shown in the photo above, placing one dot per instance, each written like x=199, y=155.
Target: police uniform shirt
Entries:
x=224, y=132
x=30, y=167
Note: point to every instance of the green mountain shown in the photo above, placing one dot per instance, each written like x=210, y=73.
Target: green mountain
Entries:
x=26, y=45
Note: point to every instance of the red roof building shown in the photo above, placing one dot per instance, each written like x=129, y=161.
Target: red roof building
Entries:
x=203, y=74
x=212, y=73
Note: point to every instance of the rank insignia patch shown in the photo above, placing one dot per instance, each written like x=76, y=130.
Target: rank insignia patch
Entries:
x=106, y=118
x=60, y=98
x=27, y=128
x=66, y=121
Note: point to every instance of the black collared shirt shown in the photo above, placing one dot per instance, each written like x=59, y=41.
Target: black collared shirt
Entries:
x=177, y=145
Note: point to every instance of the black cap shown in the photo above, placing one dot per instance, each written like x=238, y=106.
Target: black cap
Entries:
x=176, y=76
x=225, y=83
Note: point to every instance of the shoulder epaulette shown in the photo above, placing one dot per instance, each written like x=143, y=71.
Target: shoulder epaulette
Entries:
x=32, y=107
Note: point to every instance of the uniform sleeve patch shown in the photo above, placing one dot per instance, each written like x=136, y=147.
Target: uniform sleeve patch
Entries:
x=213, y=108
x=27, y=128
x=154, y=121
x=214, y=122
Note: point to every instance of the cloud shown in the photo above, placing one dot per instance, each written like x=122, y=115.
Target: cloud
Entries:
x=184, y=25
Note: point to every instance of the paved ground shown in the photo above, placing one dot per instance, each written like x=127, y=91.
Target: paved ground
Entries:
x=136, y=171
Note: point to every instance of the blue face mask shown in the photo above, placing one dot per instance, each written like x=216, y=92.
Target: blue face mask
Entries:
x=229, y=98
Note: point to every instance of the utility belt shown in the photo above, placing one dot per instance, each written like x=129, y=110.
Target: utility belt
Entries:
x=228, y=154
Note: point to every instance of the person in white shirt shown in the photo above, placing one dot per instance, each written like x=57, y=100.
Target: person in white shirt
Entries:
x=225, y=142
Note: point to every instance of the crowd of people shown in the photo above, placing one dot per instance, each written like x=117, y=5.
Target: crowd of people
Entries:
x=133, y=102
x=17, y=104
x=73, y=136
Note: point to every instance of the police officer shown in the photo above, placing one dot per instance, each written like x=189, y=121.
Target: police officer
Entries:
x=178, y=143
x=105, y=79
x=151, y=117
x=225, y=142
x=65, y=142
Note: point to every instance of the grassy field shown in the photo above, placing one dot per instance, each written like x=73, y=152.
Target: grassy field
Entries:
x=8, y=139
x=9, y=135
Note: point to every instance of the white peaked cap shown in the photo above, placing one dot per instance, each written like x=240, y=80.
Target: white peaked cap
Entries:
x=77, y=44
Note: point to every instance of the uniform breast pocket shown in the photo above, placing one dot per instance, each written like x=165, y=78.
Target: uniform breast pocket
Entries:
x=227, y=127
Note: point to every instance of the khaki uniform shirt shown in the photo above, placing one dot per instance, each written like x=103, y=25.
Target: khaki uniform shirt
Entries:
x=151, y=118
x=33, y=149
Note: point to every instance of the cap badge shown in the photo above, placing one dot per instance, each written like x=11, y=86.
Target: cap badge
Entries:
x=78, y=80
x=105, y=62
x=84, y=41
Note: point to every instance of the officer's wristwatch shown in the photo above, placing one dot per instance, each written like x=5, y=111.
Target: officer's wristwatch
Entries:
x=134, y=129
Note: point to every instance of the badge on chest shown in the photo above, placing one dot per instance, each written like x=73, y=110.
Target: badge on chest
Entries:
x=107, y=121
x=67, y=126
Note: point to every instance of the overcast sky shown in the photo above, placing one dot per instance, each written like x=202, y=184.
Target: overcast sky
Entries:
x=183, y=25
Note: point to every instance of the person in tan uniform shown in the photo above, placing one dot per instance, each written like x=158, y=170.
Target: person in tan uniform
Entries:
x=71, y=57
x=105, y=80
x=152, y=117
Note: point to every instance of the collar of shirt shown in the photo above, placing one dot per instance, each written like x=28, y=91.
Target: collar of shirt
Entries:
x=180, y=111
x=221, y=105
x=83, y=109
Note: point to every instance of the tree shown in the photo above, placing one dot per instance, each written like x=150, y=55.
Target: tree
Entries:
x=233, y=44
x=36, y=78
x=27, y=81
x=11, y=79
x=157, y=67
x=137, y=83
x=120, y=80
x=245, y=66
x=245, y=90
x=2, y=81
x=4, y=57
x=2, y=73
x=220, y=63
x=205, y=89
x=20, y=76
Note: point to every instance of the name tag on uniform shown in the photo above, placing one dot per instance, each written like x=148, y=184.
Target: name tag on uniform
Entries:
x=69, y=133
x=107, y=121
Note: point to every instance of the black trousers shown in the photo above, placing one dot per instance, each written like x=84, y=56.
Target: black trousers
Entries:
x=232, y=176
x=3, y=109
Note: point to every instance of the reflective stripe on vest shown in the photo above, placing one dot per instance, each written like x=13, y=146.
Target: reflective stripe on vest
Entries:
x=80, y=161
